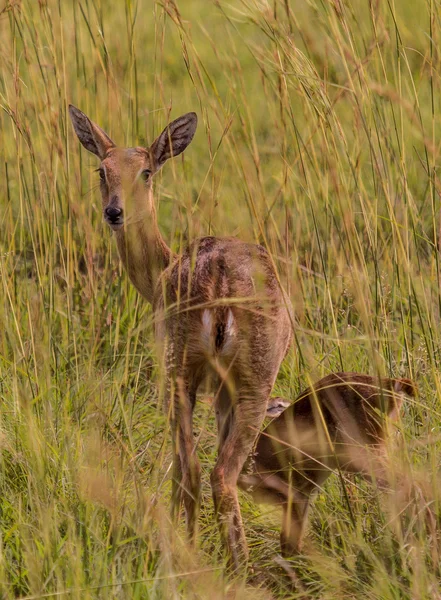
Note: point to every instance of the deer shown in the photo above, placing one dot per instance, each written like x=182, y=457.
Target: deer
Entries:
x=220, y=314
x=340, y=423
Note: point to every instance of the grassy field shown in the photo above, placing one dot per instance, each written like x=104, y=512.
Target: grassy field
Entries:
x=319, y=136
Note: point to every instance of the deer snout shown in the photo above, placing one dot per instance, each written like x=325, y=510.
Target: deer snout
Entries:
x=113, y=215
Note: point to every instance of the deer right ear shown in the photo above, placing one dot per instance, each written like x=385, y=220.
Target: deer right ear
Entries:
x=90, y=135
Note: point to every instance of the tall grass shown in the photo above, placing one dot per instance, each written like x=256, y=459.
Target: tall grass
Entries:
x=319, y=136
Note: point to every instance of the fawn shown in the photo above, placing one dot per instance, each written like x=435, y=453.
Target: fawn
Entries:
x=219, y=312
x=339, y=423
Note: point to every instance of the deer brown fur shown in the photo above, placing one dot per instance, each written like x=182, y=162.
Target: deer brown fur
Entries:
x=339, y=423
x=219, y=312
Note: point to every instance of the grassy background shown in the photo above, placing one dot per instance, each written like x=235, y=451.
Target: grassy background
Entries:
x=319, y=135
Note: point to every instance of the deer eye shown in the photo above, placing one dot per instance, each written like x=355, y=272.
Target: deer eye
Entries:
x=102, y=175
x=145, y=175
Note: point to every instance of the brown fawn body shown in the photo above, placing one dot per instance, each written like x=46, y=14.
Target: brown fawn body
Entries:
x=339, y=423
x=219, y=313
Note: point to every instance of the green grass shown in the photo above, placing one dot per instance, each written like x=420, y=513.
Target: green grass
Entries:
x=319, y=135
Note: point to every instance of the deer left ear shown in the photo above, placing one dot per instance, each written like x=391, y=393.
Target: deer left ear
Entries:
x=174, y=139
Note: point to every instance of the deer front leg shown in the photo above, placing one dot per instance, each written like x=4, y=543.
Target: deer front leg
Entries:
x=186, y=467
x=235, y=446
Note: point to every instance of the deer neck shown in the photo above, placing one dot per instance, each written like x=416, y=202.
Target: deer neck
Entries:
x=143, y=251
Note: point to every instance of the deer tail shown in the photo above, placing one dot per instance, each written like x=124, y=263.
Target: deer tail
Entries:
x=400, y=386
x=406, y=386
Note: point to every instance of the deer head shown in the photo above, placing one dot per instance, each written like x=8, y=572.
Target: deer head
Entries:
x=126, y=173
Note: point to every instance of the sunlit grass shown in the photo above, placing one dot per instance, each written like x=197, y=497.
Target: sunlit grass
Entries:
x=318, y=136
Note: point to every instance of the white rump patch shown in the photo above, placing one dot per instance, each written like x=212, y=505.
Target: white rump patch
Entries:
x=208, y=332
x=230, y=332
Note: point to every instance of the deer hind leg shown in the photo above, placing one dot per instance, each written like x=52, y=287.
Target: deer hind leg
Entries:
x=186, y=467
x=241, y=428
x=295, y=518
x=224, y=410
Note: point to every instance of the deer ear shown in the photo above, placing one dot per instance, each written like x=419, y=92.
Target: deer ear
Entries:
x=174, y=139
x=90, y=135
x=276, y=406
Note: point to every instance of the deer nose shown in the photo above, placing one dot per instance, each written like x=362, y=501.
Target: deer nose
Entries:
x=113, y=213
